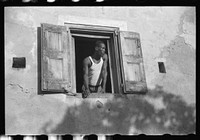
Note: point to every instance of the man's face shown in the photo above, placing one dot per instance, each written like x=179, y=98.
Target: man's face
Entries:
x=101, y=49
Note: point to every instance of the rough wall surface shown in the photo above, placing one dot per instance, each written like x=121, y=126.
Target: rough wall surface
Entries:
x=167, y=34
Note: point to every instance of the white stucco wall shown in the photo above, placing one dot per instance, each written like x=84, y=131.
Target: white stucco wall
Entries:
x=168, y=34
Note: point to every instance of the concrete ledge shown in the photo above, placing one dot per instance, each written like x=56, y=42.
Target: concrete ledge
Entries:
x=93, y=95
x=106, y=95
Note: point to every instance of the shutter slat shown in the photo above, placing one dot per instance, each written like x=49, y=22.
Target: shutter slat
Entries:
x=132, y=63
x=55, y=54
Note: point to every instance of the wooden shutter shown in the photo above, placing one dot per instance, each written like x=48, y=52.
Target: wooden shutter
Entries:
x=132, y=67
x=56, y=58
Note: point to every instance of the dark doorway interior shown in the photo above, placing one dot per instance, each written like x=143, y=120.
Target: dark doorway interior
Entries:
x=85, y=47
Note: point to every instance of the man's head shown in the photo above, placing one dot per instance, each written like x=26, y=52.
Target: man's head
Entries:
x=100, y=48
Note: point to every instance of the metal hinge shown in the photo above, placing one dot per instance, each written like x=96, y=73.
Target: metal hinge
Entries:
x=116, y=32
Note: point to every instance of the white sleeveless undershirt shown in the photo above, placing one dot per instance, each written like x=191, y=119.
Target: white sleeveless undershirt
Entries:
x=94, y=72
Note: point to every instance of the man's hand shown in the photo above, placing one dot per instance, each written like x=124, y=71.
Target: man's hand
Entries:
x=85, y=93
x=103, y=90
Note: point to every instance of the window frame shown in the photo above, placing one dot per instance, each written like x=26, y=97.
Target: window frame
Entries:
x=103, y=32
x=112, y=35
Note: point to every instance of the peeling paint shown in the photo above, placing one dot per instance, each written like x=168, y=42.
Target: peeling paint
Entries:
x=187, y=27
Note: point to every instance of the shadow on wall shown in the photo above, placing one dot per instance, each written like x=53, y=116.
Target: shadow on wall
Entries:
x=134, y=115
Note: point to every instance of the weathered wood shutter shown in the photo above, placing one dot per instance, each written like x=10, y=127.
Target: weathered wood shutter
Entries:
x=133, y=74
x=56, y=58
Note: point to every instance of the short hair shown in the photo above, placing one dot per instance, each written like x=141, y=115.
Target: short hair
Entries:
x=97, y=44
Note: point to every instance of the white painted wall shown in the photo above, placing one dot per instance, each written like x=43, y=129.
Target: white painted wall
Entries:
x=168, y=34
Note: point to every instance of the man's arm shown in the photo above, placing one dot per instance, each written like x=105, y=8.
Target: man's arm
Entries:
x=85, y=74
x=104, y=72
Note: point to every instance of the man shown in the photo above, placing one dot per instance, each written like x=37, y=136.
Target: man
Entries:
x=95, y=71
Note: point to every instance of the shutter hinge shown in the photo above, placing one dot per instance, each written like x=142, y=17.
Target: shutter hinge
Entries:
x=138, y=43
x=116, y=32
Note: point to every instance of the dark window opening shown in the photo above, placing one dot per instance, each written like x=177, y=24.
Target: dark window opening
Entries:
x=85, y=47
x=19, y=62
x=161, y=67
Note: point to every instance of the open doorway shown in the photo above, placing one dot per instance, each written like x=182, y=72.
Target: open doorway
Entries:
x=84, y=47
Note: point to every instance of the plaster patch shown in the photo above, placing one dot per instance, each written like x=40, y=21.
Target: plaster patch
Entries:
x=187, y=27
x=188, y=32
x=190, y=40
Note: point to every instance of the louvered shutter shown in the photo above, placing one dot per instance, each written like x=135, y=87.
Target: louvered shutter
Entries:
x=56, y=58
x=133, y=74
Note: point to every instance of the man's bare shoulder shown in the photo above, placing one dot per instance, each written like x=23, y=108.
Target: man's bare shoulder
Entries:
x=86, y=61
